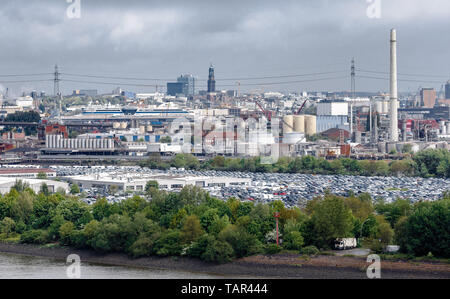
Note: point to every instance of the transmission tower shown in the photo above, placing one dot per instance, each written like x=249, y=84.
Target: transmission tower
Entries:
x=353, y=77
x=56, y=81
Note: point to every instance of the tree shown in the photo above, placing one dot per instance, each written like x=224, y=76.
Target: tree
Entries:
x=20, y=185
x=41, y=176
x=22, y=208
x=331, y=219
x=74, y=189
x=191, y=230
x=293, y=240
x=426, y=230
x=44, y=189
x=165, y=139
x=151, y=184
x=7, y=226
x=113, y=189
x=218, y=251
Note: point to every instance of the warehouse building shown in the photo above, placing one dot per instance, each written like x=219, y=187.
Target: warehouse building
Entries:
x=6, y=183
x=136, y=182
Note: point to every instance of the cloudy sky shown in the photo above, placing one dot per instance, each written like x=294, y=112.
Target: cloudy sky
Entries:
x=242, y=38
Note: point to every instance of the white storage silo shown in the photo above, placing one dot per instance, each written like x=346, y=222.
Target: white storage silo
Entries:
x=288, y=124
x=299, y=123
x=310, y=125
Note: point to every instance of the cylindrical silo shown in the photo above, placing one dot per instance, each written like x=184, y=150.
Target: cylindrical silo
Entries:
x=123, y=125
x=379, y=107
x=310, y=125
x=116, y=125
x=288, y=124
x=299, y=123
x=149, y=128
x=385, y=107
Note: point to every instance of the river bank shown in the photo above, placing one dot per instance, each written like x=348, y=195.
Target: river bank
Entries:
x=261, y=266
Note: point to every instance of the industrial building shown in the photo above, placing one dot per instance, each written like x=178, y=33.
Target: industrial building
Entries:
x=26, y=172
x=6, y=183
x=136, y=182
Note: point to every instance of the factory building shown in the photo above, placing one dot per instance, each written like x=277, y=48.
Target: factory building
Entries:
x=328, y=108
x=58, y=142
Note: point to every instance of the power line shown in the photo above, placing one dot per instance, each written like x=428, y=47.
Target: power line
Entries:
x=26, y=81
x=26, y=75
x=404, y=80
x=403, y=74
x=202, y=79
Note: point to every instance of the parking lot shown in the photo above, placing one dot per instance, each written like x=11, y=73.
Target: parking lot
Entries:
x=266, y=187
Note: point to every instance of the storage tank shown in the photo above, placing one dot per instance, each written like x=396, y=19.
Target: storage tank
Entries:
x=123, y=125
x=448, y=128
x=116, y=125
x=142, y=129
x=385, y=107
x=299, y=123
x=443, y=127
x=379, y=107
x=149, y=128
x=288, y=124
x=310, y=125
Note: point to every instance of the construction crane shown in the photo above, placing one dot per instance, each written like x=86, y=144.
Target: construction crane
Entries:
x=301, y=107
x=266, y=113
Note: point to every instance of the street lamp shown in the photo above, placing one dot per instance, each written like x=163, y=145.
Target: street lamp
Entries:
x=277, y=215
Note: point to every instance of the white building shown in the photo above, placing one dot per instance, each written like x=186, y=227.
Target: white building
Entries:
x=136, y=182
x=332, y=108
x=6, y=183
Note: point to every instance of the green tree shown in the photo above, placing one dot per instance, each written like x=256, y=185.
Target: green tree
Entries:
x=330, y=219
x=41, y=176
x=74, y=189
x=191, y=230
x=7, y=226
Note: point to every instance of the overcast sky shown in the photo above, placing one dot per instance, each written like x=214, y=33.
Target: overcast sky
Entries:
x=242, y=38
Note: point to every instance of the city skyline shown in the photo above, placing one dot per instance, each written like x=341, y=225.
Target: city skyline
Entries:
x=164, y=39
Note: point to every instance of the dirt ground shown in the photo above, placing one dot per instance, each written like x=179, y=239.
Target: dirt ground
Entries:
x=261, y=266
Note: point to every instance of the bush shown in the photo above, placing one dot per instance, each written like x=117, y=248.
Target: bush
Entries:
x=310, y=250
x=272, y=249
x=293, y=241
x=35, y=236
x=142, y=247
x=219, y=252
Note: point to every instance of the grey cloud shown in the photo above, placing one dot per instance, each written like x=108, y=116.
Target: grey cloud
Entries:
x=242, y=38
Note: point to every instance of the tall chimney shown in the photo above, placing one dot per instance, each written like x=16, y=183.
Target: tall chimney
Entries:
x=393, y=98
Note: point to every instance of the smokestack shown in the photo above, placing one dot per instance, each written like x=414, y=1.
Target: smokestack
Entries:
x=393, y=99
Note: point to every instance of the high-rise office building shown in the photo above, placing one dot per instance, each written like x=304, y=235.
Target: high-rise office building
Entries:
x=211, y=80
x=447, y=90
x=185, y=85
x=428, y=97
x=188, y=84
x=175, y=88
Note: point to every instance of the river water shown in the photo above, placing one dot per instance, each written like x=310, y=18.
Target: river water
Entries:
x=27, y=267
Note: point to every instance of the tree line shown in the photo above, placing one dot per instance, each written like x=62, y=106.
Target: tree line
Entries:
x=192, y=223
x=427, y=163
